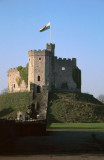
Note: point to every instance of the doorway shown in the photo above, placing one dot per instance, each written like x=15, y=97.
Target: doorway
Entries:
x=38, y=89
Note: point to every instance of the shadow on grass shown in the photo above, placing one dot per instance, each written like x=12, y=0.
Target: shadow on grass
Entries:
x=50, y=117
x=53, y=96
x=5, y=112
x=57, y=143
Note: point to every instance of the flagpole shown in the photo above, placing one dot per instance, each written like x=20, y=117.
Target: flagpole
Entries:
x=50, y=33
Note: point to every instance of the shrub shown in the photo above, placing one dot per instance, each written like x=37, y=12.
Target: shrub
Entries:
x=23, y=74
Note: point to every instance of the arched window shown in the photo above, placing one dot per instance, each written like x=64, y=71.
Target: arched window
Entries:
x=38, y=78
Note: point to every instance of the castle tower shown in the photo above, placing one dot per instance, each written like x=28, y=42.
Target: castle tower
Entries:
x=40, y=68
x=50, y=76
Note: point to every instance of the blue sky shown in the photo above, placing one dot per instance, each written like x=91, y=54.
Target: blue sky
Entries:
x=77, y=31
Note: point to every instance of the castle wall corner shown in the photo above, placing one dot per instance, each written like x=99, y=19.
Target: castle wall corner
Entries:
x=13, y=78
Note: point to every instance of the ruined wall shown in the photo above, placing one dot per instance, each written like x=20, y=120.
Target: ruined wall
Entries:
x=43, y=103
x=63, y=74
x=40, y=101
x=13, y=77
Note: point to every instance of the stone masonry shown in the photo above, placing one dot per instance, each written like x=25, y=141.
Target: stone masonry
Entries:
x=13, y=76
x=45, y=69
x=46, y=73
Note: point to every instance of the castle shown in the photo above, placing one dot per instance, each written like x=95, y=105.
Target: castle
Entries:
x=45, y=69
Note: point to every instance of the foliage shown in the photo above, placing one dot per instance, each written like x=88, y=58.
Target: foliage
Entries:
x=10, y=103
x=18, y=80
x=74, y=107
x=101, y=98
x=76, y=127
x=19, y=68
x=23, y=74
x=76, y=74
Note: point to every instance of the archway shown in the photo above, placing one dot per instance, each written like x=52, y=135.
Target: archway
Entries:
x=38, y=89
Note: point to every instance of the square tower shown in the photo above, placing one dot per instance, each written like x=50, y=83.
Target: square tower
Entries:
x=41, y=67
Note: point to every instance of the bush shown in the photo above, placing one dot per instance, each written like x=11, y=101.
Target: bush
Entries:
x=23, y=75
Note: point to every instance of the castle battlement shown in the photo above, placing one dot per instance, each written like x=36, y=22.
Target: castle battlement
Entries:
x=12, y=70
x=37, y=52
x=46, y=69
x=46, y=52
x=46, y=73
x=65, y=61
x=50, y=47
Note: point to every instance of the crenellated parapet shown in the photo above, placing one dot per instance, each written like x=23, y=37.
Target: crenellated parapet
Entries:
x=50, y=47
x=65, y=61
x=44, y=68
x=38, y=52
x=12, y=70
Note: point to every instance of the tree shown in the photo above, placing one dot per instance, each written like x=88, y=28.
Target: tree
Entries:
x=5, y=90
x=101, y=98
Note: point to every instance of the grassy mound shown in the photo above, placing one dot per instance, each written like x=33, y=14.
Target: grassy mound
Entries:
x=74, y=108
x=63, y=107
x=10, y=103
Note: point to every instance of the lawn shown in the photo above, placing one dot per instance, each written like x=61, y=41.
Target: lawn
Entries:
x=11, y=103
x=75, y=127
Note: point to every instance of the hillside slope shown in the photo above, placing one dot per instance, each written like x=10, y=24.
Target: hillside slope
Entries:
x=74, y=107
x=10, y=103
x=63, y=107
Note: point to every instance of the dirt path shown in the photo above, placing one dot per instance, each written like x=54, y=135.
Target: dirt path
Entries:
x=78, y=144
x=54, y=157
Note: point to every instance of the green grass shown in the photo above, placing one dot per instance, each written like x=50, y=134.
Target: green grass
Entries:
x=63, y=108
x=10, y=103
x=74, y=108
x=76, y=127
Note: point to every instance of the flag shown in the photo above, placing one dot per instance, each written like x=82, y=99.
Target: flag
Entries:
x=45, y=27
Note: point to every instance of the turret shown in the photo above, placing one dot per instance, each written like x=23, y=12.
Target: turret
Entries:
x=74, y=62
x=50, y=47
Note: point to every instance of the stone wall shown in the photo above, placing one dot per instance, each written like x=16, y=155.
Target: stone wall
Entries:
x=13, y=77
x=46, y=69
x=49, y=70
x=36, y=73
x=63, y=74
x=39, y=101
x=41, y=64
x=44, y=103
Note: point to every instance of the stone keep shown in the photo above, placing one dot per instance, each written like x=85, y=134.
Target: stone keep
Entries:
x=45, y=69
x=41, y=68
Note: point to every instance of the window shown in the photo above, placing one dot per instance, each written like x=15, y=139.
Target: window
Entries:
x=39, y=58
x=14, y=85
x=63, y=68
x=38, y=78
